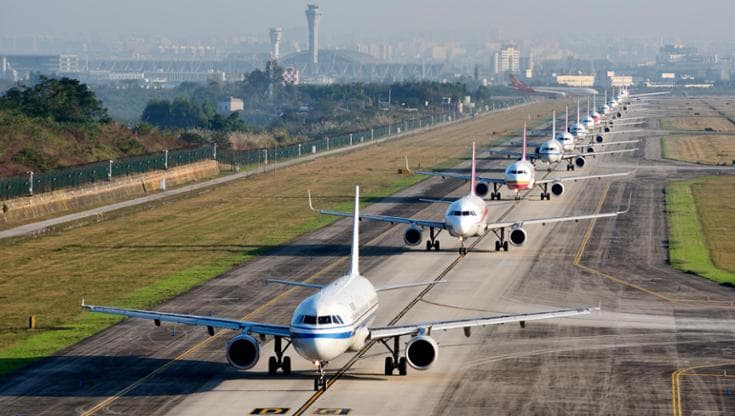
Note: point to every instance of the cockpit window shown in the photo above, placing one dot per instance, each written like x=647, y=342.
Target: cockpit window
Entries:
x=337, y=320
x=325, y=320
x=309, y=319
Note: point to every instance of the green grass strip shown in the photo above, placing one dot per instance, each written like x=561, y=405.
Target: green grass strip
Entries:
x=688, y=250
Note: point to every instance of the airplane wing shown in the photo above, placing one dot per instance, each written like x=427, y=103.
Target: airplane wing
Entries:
x=208, y=321
x=608, y=143
x=582, y=178
x=549, y=220
x=604, y=152
x=384, y=218
x=607, y=133
x=426, y=327
x=461, y=176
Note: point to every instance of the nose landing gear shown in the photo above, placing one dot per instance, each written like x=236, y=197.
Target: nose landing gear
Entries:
x=320, y=381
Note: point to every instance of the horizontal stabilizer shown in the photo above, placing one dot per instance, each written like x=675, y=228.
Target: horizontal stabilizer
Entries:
x=292, y=283
x=407, y=285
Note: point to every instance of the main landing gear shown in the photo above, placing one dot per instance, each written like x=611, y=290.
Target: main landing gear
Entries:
x=279, y=361
x=501, y=243
x=495, y=194
x=320, y=381
x=394, y=362
x=570, y=165
x=432, y=242
x=545, y=192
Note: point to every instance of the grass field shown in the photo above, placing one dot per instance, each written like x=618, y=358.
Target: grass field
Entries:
x=697, y=123
x=701, y=230
x=712, y=150
x=144, y=255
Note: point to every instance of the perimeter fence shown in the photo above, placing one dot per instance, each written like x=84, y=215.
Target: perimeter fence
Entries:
x=35, y=183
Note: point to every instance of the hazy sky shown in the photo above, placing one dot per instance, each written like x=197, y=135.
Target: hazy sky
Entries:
x=671, y=19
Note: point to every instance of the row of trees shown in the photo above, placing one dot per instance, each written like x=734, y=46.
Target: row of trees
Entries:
x=185, y=113
x=64, y=100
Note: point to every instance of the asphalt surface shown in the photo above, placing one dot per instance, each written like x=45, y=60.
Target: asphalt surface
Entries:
x=662, y=343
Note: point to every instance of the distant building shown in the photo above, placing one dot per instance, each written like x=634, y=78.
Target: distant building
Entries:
x=230, y=105
x=68, y=63
x=576, y=80
x=510, y=59
x=621, y=81
x=276, y=34
x=312, y=19
x=291, y=76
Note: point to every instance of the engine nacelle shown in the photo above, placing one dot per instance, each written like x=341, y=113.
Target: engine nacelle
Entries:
x=599, y=138
x=517, y=236
x=607, y=129
x=619, y=115
x=243, y=352
x=481, y=189
x=590, y=149
x=412, y=236
x=579, y=162
x=421, y=352
x=557, y=188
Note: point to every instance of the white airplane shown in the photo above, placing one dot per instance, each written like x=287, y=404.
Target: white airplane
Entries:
x=596, y=117
x=566, y=138
x=337, y=319
x=467, y=217
x=520, y=176
x=578, y=130
x=551, y=152
x=588, y=121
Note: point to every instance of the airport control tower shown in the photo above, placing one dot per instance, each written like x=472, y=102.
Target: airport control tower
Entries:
x=312, y=18
x=276, y=33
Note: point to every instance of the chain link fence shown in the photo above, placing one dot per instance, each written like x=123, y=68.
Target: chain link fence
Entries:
x=34, y=183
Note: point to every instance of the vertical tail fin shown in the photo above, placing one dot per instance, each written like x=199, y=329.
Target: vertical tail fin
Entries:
x=523, y=155
x=553, y=125
x=355, y=256
x=577, y=111
x=473, y=179
x=566, y=120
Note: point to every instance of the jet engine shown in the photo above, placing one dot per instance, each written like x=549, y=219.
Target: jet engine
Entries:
x=421, y=352
x=557, y=188
x=481, y=189
x=599, y=138
x=517, y=236
x=412, y=236
x=579, y=162
x=243, y=351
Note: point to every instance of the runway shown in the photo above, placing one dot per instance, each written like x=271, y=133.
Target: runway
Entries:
x=659, y=346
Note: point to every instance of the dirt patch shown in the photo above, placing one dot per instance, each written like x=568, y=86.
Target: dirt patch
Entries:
x=714, y=150
x=699, y=123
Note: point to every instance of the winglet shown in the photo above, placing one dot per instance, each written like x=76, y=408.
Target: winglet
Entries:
x=472, y=177
x=523, y=155
x=355, y=256
x=83, y=305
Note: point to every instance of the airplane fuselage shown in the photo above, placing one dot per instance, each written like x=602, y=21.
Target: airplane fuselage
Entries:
x=520, y=176
x=551, y=151
x=334, y=320
x=466, y=217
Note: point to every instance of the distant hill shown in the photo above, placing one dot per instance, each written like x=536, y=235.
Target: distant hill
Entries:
x=59, y=123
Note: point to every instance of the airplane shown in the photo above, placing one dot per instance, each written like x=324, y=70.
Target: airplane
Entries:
x=562, y=91
x=337, y=319
x=467, y=217
x=551, y=152
x=578, y=129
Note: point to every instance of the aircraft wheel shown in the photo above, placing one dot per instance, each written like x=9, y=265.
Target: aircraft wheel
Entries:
x=272, y=365
x=436, y=245
x=286, y=365
x=497, y=245
x=505, y=246
x=428, y=245
x=389, y=366
x=402, y=366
